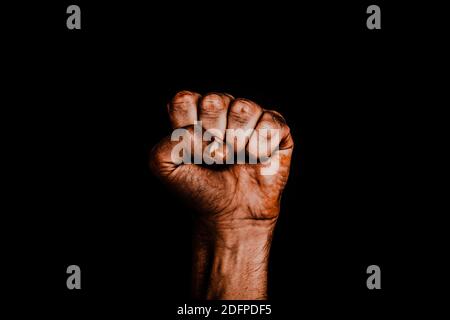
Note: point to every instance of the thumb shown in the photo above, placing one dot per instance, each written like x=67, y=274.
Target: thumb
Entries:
x=176, y=150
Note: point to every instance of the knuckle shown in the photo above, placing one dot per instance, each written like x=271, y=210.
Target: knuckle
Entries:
x=243, y=109
x=183, y=100
x=273, y=117
x=213, y=103
x=184, y=94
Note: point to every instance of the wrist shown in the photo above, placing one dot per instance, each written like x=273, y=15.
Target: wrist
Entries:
x=231, y=259
x=237, y=221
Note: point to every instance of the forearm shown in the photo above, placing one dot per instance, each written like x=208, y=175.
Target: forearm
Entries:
x=232, y=263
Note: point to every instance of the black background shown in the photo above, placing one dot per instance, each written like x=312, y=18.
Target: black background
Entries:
x=95, y=102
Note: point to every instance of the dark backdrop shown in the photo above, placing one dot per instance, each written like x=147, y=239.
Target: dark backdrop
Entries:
x=96, y=103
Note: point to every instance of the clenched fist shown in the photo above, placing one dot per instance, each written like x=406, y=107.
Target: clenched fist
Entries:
x=230, y=159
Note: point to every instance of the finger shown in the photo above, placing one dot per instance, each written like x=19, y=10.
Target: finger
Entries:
x=213, y=110
x=271, y=134
x=183, y=109
x=243, y=116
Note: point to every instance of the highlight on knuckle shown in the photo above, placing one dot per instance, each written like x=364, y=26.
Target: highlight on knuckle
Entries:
x=182, y=101
x=274, y=117
x=242, y=110
x=212, y=103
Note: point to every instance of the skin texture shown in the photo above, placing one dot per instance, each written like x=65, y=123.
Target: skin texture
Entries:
x=238, y=206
